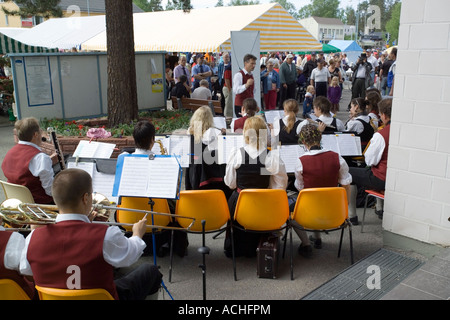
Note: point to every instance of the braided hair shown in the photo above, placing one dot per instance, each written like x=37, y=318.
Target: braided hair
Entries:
x=310, y=135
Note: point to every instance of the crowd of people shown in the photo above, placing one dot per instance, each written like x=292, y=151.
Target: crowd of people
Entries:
x=97, y=250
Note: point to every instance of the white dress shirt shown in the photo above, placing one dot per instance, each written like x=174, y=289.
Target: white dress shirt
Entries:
x=13, y=250
x=373, y=154
x=344, y=176
x=273, y=164
x=118, y=250
x=41, y=166
x=355, y=125
x=327, y=120
x=238, y=86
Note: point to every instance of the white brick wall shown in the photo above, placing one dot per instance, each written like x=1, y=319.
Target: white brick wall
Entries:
x=418, y=181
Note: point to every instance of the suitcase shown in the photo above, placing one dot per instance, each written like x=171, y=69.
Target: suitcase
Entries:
x=267, y=256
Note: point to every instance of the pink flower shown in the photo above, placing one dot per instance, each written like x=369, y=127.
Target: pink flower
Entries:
x=98, y=133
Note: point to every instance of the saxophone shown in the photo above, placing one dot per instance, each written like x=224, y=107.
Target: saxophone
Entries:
x=161, y=147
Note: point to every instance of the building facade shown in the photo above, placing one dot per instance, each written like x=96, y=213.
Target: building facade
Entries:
x=324, y=29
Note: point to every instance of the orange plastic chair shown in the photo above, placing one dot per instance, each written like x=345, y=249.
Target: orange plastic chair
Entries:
x=260, y=210
x=370, y=193
x=321, y=210
x=10, y=290
x=141, y=203
x=46, y=293
x=210, y=206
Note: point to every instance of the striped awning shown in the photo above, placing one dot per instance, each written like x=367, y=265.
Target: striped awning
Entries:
x=10, y=45
x=209, y=30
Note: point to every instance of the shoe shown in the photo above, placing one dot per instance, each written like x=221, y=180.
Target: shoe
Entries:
x=379, y=213
x=317, y=242
x=305, y=251
x=354, y=221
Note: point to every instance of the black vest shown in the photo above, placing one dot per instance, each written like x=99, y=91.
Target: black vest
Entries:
x=249, y=173
x=291, y=137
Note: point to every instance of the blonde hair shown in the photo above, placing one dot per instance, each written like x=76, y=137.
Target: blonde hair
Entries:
x=26, y=128
x=291, y=108
x=310, y=89
x=201, y=120
x=255, y=132
x=335, y=81
x=310, y=135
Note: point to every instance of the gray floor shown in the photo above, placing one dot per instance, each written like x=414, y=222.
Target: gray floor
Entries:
x=431, y=281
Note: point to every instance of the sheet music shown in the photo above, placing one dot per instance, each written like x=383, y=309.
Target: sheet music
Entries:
x=290, y=154
x=343, y=144
x=141, y=177
x=272, y=114
x=156, y=149
x=94, y=149
x=220, y=122
x=103, y=183
x=226, y=144
x=89, y=167
x=180, y=146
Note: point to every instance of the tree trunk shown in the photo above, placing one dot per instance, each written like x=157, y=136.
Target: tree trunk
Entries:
x=122, y=89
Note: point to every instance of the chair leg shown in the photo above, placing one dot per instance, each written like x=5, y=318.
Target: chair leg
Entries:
x=285, y=240
x=232, y=252
x=171, y=256
x=351, y=243
x=364, y=213
x=291, y=254
x=340, y=242
x=218, y=234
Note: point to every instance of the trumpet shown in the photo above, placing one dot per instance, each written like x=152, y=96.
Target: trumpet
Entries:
x=21, y=214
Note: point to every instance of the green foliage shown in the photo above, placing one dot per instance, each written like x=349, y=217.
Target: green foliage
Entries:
x=43, y=8
x=393, y=25
x=149, y=5
x=321, y=8
x=165, y=122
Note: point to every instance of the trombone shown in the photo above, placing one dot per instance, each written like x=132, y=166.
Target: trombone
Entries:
x=18, y=213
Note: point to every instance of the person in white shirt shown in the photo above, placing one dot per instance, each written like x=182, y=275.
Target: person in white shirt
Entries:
x=320, y=78
x=202, y=92
x=323, y=117
x=374, y=62
x=244, y=83
x=72, y=247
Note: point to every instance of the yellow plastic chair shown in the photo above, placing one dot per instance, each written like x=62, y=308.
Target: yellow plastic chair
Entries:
x=46, y=293
x=141, y=203
x=10, y=290
x=17, y=191
x=321, y=210
x=260, y=210
x=210, y=206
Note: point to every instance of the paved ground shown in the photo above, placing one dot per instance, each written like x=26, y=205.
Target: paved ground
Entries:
x=309, y=273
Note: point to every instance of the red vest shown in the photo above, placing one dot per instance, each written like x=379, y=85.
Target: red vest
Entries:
x=321, y=170
x=27, y=286
x=239, y=123
x=380, y=169
x=15, y=168
x=53, y=248
x=248, y=93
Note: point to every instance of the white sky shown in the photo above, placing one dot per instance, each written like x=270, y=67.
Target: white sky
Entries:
x=197, y=4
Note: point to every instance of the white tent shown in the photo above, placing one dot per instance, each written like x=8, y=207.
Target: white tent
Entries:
x=350, y=47
x=63, y=33
x=208, y=30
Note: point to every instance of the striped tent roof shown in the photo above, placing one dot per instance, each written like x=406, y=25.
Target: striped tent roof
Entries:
x=10, y=45
x=208, y=30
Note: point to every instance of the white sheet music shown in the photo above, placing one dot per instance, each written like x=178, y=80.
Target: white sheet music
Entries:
x=220, y=122
x=156, y=149
x=226, y=144
x=343, y=144
x=272, y=114
x=89, y=167
x=290, y=154
x=180, y=146
x=142, y=177
x=94, y=149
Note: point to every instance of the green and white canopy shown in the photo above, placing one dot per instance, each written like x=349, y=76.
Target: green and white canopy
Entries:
x=10, y=45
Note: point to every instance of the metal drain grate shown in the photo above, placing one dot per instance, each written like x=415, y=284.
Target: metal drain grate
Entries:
x=353, y=284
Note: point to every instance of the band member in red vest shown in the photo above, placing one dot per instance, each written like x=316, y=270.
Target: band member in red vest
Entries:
x=244, y=83
x=249, y=109
x=11, y=246
x=74, y=253
x=374, y=175
x=27, y=165
x=318, y=168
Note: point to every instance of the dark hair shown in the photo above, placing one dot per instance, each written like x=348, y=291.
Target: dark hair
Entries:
x=249, y=57
x=372, y=100
x=394, y=51
x=183, y=78
x=361, y=103
x=144, y=134
x=69, y=187
x=385, y=107
x=323, y=104
x=250, y=106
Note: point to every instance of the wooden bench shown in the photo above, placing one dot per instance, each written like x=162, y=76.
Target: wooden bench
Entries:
x=194, y=104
